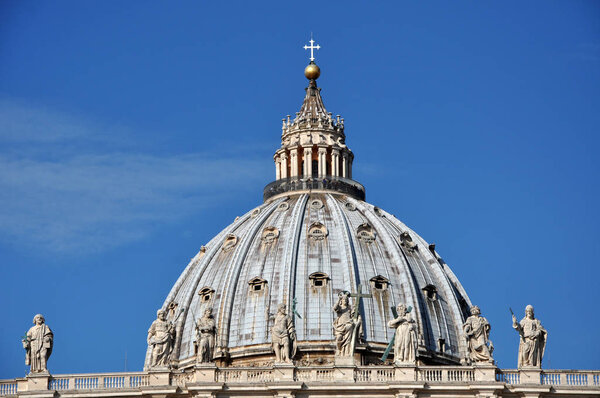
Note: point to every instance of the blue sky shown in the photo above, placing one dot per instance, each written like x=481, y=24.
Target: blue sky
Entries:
x=133, y=132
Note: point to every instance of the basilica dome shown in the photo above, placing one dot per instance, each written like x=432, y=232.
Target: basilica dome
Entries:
x=314, y=238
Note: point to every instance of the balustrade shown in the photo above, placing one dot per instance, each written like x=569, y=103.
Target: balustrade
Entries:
x=448, y=374
x=432, y=375
x=8, y=387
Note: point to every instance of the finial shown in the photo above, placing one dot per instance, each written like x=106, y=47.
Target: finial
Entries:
x=312, y=71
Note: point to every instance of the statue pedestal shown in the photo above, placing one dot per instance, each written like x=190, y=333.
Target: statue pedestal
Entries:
x=485, y=371
x=38, y=381
x=159, y=376
x=205, y=372
x=530, y=375
x=343, y=369
x=344, y=361
x=283, y=371
x=405, y=372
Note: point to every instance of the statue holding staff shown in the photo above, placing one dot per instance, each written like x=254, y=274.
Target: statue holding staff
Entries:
x=533, y=339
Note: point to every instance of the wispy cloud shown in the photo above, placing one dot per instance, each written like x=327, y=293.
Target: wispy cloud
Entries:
x=90, y=200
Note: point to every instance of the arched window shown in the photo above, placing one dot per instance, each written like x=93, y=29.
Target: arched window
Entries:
x=270, y=235
x=206, y=294
x=318, y=279
x=230, y=241
x=365, y=233
x=430, y=292
x=317, y=231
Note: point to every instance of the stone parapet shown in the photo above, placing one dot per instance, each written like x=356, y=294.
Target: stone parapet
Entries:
x=286, y=379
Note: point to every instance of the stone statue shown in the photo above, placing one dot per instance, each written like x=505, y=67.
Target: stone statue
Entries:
x=205, y=336
x=344, y=325
x=477, y=332
x=161, y=337
x=405, y=339
x=38, y=345
x=283, y=336
x=533, y=339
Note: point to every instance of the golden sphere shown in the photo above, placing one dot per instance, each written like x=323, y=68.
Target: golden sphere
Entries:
x=312, y=71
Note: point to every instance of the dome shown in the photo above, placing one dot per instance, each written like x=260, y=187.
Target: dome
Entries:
x=313, y=238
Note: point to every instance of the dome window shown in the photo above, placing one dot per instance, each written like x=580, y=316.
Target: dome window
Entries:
x=430, y=292
x=283, y=206
x=230, y=241
x=442, y=345
x=317, y=231
x=172, y=309
x=318, y=279
x=365, y=233
x=257, y=284
x=350, y=206
x=316, y=204
x=206, y=294
x=255, y=212
x=270, y=235
x=379, y=283
x=378, y=211
x=407, y=242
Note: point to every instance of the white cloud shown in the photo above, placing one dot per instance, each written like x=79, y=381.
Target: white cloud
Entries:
x=90, y=200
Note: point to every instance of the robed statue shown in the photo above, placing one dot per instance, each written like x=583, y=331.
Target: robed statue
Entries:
x=344, y=326
x=205, y=336
x=405, y=339
x=533, y=339
x=161, y=339
x=283, y=336
x=38, y=344
x=477, y=332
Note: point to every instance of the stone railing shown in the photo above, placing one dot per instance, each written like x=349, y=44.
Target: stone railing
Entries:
x=551, y=377
x=8, y=387
x=175, y=382
x=113, y=381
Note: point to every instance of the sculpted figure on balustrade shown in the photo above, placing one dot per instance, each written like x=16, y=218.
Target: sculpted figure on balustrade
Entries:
x=161, y=338
x=477, y=332
x=38, y=343
x=533, y=339
x=283, y=334
x=347, y=327
x=405, y=339
x=205, y=336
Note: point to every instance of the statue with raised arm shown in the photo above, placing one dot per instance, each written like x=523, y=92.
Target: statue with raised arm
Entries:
x=161, y=337
x=405, y=339
x=533, y=338
x=38, y=344
x=205, y=336
x=283, y=336
x=477, y=332
x=344, y=324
